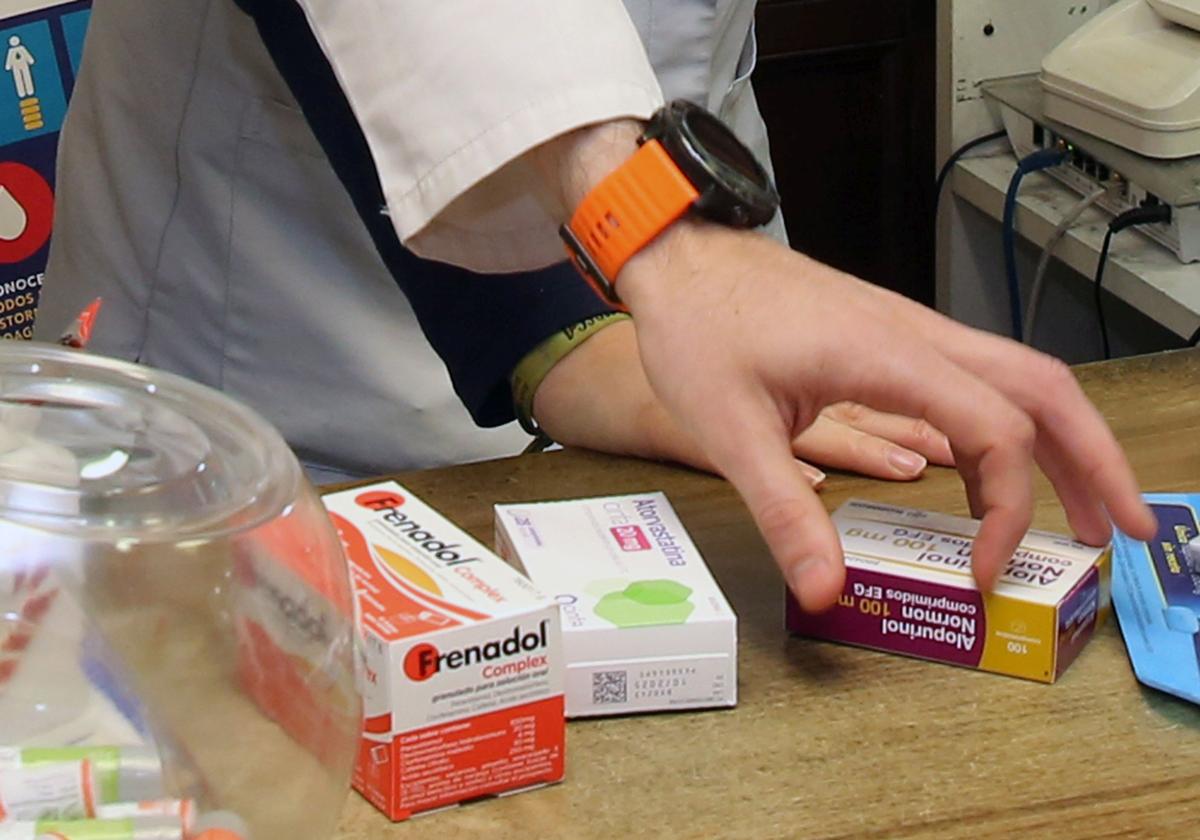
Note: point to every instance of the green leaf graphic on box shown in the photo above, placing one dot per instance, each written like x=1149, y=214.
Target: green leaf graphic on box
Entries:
x=657, y=592
x=647, y=602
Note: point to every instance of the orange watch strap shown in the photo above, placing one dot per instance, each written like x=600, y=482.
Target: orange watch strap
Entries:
x=630, y=207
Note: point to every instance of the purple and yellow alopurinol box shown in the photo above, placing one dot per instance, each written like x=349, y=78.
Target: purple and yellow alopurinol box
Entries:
x=909, y=590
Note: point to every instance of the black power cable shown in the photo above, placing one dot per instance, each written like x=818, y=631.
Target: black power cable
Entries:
x=1145, y=215
x=955, y=156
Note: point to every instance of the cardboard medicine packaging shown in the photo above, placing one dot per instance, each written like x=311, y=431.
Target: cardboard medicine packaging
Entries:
x=645, y=626
x=909, y=590
x=463, y=691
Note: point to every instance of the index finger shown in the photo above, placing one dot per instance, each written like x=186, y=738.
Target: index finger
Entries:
x=992, y=438
x=1078, y=450
x=993, y=451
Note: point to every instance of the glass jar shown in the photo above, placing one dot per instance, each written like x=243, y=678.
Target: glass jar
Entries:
x=176, y=620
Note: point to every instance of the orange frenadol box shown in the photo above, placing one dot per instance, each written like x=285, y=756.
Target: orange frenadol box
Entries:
x=463, y=682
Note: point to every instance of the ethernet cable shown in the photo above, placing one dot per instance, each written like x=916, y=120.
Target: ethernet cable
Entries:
x=1039, y=276
x=1041, y=159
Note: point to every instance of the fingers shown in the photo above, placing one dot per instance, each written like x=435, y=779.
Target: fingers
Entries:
x=993, y=441
x=911, y=433
x=999, y=487
x=1000, y=491
x=837, y=445
x=1082, y=457
x=788, y=513
x=1076, y=450
x=1085, y=512
x=815, y=477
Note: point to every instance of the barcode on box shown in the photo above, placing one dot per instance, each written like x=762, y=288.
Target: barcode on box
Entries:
x=610, y=687
x=645, y=626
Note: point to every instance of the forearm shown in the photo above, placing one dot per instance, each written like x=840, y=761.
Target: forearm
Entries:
x=598, y=397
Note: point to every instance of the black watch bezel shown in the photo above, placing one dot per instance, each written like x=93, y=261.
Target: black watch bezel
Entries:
x=735, y=189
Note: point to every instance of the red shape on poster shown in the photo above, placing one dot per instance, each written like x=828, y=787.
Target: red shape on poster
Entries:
x=26, y=212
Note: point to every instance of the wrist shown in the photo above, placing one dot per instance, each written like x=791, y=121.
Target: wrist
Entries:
x=667, y=266
x=598, y=398
x=636, y=196
x=573, y=164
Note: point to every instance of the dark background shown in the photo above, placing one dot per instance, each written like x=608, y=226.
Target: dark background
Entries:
x=847, y=91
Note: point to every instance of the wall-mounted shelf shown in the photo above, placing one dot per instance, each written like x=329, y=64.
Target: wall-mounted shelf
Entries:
x=1140, y=272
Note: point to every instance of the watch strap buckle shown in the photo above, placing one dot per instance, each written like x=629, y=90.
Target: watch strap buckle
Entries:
x=588, y=267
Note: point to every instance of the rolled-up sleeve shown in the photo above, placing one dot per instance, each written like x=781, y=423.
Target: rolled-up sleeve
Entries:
x=450, y=94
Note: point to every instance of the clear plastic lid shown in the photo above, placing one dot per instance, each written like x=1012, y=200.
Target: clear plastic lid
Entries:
x=105, y=450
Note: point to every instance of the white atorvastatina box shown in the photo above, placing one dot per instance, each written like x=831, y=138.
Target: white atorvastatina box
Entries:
x=645, y=626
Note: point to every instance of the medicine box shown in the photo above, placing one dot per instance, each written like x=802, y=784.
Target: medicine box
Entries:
x=463, y=676
x=909, y=590
x=645, y=626
x=1156, y=593
x=463, y=691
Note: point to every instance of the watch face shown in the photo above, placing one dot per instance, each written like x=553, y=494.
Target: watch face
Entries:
x=716, y=138
x=734, y=188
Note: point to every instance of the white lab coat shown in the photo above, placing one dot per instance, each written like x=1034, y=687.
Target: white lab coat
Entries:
x=195, y=199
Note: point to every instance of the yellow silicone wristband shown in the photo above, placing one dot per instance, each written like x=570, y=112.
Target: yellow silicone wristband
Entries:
x=527, y=376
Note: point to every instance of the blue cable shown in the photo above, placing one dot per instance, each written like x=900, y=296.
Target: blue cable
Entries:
x=1041, y=159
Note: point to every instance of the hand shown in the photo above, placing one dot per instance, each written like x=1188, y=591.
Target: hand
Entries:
x=745, y=342
x=624, y=417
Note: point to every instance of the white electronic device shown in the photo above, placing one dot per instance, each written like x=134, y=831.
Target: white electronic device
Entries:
x=1131, y=76
x=1090, y=163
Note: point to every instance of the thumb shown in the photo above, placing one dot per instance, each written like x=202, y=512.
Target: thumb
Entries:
x=793, y=522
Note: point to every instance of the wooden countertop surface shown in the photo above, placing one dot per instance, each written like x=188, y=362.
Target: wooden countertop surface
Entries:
x=830, y=741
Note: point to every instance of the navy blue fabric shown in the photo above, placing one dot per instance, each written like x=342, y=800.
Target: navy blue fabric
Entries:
x=480, y=325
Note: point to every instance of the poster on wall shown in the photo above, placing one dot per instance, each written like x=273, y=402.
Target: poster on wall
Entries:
x=42, y=44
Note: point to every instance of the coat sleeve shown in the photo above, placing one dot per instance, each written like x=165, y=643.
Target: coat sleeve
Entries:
x=450, y=94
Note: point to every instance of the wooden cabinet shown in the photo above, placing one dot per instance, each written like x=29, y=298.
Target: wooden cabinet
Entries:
x=847, y=91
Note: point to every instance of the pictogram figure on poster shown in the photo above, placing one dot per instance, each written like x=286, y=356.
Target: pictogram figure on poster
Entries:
x=19, y=61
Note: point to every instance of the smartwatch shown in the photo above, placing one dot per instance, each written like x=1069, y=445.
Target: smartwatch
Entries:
x=687, y=160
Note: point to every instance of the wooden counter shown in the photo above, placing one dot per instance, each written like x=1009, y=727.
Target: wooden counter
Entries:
x=831, y=741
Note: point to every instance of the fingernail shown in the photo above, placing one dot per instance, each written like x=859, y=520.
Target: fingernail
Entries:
x=814, y=475
x=906, y=461
x=805, y=575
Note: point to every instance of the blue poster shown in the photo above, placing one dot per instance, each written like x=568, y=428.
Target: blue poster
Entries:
x=42, y=50
x=32, y=99
x=74, y=28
